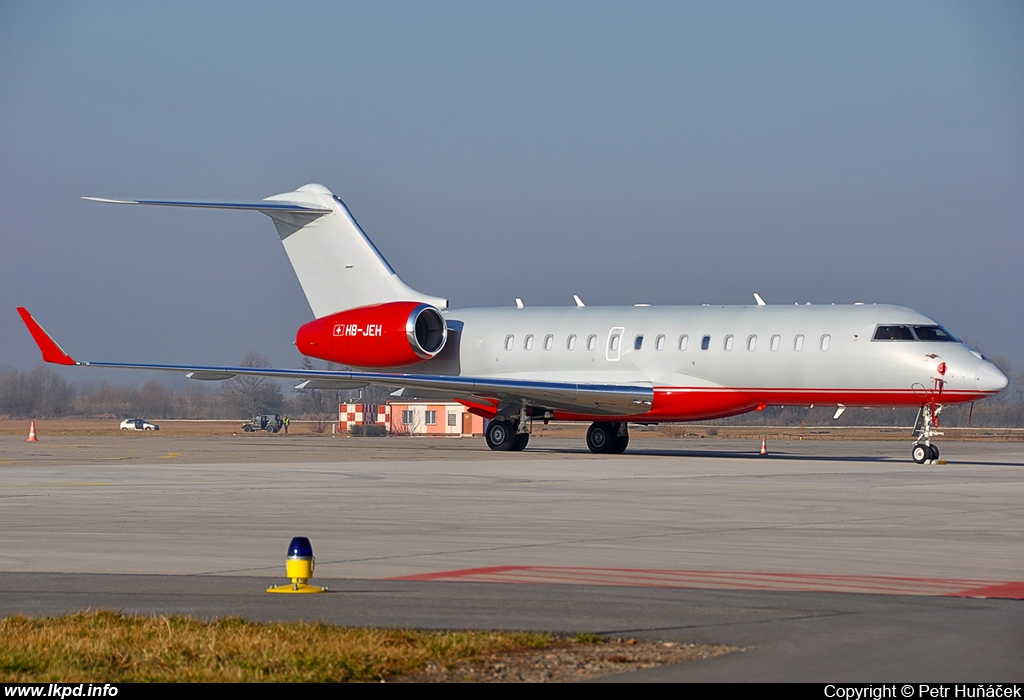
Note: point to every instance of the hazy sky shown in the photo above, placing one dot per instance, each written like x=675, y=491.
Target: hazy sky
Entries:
x=670, y=153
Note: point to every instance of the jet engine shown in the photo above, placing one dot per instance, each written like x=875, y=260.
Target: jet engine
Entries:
x=394, y=334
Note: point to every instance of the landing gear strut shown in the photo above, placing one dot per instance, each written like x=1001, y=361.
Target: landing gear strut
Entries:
x=608, y=438
x=926, y=427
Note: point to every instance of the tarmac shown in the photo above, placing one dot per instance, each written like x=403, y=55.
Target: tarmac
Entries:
x=825, y=561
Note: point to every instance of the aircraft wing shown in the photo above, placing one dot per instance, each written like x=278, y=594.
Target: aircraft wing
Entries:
x=594, y=399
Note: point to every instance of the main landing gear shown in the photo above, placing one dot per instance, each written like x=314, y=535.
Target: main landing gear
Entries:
x=926, y=427
x=512, y=435
x=608, y=438
x=504, y=435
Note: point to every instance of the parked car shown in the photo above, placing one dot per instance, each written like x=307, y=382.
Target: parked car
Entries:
x=138, y=424
x=271, y=422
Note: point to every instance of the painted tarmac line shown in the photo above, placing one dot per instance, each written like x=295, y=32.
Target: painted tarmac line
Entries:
x=730, y=580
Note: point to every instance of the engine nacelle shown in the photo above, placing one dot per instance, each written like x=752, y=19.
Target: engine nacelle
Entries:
x=394, y=334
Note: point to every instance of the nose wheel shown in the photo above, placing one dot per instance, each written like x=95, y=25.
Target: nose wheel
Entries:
x=926, y=427
x=925, y=453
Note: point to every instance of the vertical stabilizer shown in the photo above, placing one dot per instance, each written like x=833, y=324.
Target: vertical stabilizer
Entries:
x=337, y=264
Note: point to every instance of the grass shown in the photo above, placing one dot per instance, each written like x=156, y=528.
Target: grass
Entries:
x=104, y=646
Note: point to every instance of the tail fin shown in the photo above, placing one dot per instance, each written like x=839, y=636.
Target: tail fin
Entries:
x=337, y=264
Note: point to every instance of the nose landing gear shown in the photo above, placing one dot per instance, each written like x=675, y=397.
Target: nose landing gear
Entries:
x=926, y=427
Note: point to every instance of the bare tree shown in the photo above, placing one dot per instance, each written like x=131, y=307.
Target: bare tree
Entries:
x=195, y=401
x=250, y=395
x=155, y=400
x=40, y=392
x=313, y=403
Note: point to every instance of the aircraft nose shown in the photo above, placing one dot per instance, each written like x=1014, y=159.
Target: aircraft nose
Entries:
x=990, y=378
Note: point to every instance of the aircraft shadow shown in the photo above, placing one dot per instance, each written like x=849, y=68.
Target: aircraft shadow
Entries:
x=778, y=454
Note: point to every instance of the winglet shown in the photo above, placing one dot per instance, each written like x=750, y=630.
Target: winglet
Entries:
x=51, y=351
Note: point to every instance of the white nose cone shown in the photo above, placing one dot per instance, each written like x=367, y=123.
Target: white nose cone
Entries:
x=990, y=378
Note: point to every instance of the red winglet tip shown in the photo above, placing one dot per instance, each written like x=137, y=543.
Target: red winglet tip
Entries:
x=47, y=345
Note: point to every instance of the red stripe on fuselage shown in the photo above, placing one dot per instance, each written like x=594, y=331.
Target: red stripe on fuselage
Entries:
x=704, y=403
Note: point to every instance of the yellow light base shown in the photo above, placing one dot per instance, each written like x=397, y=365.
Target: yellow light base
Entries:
x=295, y=588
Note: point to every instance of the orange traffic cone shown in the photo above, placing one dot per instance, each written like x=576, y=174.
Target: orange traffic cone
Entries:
x=764, y=446
x=32, y=433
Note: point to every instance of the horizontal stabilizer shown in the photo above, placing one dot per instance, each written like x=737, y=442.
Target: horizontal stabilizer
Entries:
x=264, y=206
x=337, y=265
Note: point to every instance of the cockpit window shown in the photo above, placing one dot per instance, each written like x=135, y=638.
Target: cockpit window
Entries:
x=893, y=333
x=936, y=334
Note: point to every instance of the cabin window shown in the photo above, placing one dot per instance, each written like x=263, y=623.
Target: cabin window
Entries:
x=682, y=341
x=728, y=342
x=528, y=343
x=509, y=341
x=705, y=342
x=570, y=343
x=773, y=344
x=798, y=343
x=638, y=342
x=613, y=342
x=751, y=342
x=826, y=340
x=591, y=342
x=549, y=342
x=659, y=343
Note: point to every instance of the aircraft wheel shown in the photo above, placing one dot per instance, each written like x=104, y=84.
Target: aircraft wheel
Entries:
x=500, y=435
x=921, y=453
x=601, y=437
x=520, y=441
x=619, y=446
x=935, y=452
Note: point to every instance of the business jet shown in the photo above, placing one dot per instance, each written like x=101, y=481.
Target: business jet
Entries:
x=610, y=366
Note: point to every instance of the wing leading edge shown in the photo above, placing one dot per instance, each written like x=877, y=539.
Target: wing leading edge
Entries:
x=596, y=399
x=268, y=207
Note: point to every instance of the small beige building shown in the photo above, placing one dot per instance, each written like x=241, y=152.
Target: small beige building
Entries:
x=412, y=418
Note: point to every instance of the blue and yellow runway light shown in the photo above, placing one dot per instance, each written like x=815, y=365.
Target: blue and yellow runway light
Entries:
x=299, y=568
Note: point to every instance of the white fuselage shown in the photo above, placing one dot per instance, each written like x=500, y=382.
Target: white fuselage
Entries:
x=755, y=355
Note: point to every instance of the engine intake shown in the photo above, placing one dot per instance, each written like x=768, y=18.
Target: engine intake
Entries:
x=394, y=334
